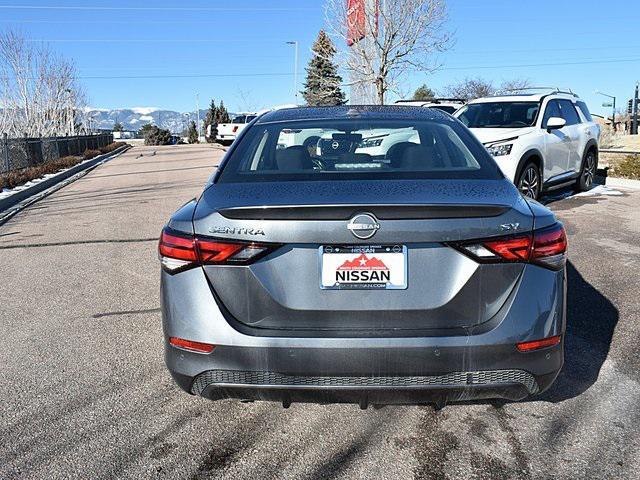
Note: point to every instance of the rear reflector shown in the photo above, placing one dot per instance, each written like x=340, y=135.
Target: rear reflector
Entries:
x=179, y=251
x=191, y=345
x=546, y=247
x=537, y=344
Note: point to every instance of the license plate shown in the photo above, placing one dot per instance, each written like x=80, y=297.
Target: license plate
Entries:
x=377, y=267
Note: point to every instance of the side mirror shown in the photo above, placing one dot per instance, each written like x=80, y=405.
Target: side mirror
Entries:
x=555, y=123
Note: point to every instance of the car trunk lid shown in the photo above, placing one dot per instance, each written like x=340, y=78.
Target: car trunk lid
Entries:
x=282, y=292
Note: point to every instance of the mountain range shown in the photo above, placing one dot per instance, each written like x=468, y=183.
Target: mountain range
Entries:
x=134, y=118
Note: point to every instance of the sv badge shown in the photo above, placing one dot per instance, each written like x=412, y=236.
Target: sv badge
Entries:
x=509, y=227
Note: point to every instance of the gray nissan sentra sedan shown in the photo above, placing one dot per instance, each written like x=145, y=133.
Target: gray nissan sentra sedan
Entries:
x=373, y=255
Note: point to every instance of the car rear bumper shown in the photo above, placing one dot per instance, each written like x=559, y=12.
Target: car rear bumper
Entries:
x=418, y=369
x=372, y=376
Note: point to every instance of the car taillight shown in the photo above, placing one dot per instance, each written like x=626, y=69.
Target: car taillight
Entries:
x=235, y=129
x=546, y=247
x=550, y=247
x=178, y=251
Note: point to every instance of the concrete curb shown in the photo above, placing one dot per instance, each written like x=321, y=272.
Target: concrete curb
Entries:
x=12, y=204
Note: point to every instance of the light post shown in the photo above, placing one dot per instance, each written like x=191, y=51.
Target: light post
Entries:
x=198, y=115
x=295, y=69
x=613, y=114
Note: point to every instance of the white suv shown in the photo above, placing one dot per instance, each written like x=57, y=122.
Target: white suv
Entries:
x=541, y=141
x=449, y=105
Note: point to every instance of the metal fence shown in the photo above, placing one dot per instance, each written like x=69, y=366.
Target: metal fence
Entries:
x=17, y=153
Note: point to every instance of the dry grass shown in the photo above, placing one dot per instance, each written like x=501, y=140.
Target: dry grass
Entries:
x=112, y=146
x=629, y=167
x=88, y=154
x=19, y=177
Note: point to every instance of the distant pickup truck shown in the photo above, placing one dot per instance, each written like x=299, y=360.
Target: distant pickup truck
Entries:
x=227, y=132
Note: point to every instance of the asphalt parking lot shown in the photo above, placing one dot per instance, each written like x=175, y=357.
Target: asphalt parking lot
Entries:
x=85, y=393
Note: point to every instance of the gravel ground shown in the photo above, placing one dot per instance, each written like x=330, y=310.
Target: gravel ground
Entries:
x=85, y=393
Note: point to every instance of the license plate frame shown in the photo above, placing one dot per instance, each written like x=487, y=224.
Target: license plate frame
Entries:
x=350, y=253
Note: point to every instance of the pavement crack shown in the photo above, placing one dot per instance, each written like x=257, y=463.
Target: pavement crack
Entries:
x=79, y=242
x=126, y=312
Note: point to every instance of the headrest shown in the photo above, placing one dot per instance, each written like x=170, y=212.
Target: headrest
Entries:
x=294, y=158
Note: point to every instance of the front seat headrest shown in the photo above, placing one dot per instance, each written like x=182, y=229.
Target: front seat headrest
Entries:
x=294, y=158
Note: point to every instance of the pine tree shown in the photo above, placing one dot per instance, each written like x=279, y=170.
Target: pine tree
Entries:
x=211, y=120
x=117, y=127
x=223, y=114
x=193, y=132
x=424, y=93
x=322, y=87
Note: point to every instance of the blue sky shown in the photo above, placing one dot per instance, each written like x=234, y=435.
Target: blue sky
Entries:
x=584, y=45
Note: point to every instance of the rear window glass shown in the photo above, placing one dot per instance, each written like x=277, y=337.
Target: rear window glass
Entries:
x=444, y=108
x=351, y=149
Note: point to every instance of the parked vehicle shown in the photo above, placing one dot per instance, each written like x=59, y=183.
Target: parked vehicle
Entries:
x=449, y=105
x=541, y=141
x=226, y=133
x=415, y=275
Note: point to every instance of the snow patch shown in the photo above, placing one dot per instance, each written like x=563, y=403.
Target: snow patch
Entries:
x=144, y=110
x=148, y=118
x=600, y=190
x=95, y=109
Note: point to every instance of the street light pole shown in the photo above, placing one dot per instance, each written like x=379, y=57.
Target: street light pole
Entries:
x=295, y=69
x=613, y=114
x=634, y=123
x=198, y=115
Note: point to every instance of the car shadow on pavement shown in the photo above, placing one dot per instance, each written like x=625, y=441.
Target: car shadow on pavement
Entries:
x=591, y=321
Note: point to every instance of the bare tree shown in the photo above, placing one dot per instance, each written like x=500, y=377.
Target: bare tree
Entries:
x=515, y=85
x=39, y=92
x=404, y=36
x=472, y=88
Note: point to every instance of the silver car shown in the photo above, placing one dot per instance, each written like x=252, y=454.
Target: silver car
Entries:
x=373, y=255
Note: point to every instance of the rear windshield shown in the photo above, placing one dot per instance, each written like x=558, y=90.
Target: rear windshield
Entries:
x=499, y=114
x=444, y=108
x=357, y=149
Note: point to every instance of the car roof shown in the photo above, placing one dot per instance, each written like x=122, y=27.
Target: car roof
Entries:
x=390, y=112
x=525, y=97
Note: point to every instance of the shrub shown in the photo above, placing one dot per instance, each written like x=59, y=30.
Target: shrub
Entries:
x=157, y=136
x=18, y=177
x=112, y=146
x=629, y=167
x=91, y=154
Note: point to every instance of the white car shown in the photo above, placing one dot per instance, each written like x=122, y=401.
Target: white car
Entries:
x=227, y=132
x=374, y=146
x=449, y=105
x=540, y=141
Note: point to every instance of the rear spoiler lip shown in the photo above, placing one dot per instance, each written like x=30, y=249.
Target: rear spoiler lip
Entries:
x=347, y=211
